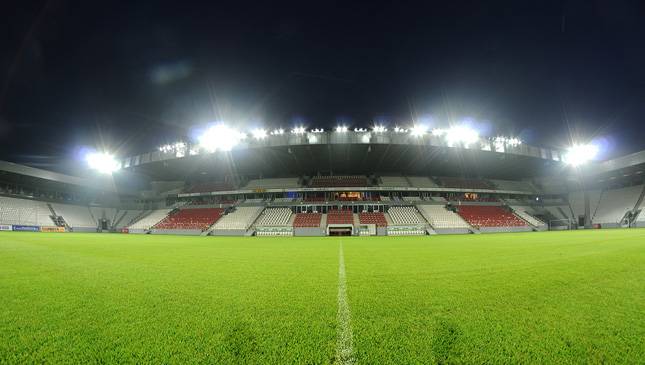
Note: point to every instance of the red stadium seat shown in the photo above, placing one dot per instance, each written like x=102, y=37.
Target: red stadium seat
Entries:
x=193, y=218
x=489, y=216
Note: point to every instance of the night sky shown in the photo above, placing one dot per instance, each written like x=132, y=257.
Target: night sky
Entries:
x=131, y=76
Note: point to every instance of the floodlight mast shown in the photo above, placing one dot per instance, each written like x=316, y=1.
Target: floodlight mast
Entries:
x=577, y=156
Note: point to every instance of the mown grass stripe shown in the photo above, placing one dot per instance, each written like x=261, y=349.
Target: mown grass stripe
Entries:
x=344, y=347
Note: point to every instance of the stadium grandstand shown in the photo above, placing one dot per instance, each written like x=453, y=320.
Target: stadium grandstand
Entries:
x=335, y=186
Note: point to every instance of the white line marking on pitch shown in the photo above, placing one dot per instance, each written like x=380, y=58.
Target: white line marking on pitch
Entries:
x=344, y=347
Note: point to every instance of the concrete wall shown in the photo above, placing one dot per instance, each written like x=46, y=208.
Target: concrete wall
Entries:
x=183, y=232
x=452, y=230
x=309, y=231
x=227, y=232
x=504, y=229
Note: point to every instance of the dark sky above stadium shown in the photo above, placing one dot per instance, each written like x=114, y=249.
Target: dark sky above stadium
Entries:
x=133, y=75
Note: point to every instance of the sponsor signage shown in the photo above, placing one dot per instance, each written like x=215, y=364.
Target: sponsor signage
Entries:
x=5, y=227
x=26, y=228
x=52, y=229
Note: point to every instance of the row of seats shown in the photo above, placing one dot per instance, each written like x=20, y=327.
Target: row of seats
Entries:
x=241, y=218
x=377, y=218
x=75, y=215
x=274, y=233
x=489, y=216
x=25, y=212
x=307, y=220
x=523, y=212
x=614, y=204
x=275, y=217
x=404, y=215
x=340, y=217
x=149, y=220
x=191, y=218
x=125, y=217
x=338, y=181
x=440, y=217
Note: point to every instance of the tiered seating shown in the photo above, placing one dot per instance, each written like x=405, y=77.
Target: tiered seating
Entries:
x=338, y=181
x=335, y=216
x=75, y=215
x=275, y=217
x=439, y=199
x=394, y=181
x=151, y=219
x=615, y=203
x=422, y=182
x=273, y=183
x=577, y=202
x=205, y=187
x=307, y=220
x=25, y=212
x=489, y=216
x=191, y=218
x=412, y=198
x=453, y=182
x=127, y=217
x=241, y=218
x=440, y=217
x=557, y=214
x=254, y=200
x=283, y=200
x=513, y=185
x=377, y=218
x=523, y=213
x=404, y=215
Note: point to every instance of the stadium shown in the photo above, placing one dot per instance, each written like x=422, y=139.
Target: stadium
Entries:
x=319, y=196
x=336, y=182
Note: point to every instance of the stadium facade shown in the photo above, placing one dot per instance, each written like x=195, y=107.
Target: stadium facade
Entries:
x=316, y=183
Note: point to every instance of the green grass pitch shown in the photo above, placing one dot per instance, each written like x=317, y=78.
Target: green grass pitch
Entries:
x=553, y=297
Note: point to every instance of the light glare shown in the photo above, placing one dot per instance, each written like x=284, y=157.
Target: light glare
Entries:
x=102, y=162
x=220, y=137
x=580, y=154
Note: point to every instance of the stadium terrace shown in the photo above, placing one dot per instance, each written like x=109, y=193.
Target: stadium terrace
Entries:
x=315, y=182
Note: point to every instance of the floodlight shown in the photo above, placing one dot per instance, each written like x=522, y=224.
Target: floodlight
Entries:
x=399, y=130
x=418, y=130
x=259, y=133
x=341, y=129
x=298, y=130
x=379, y=129
x=277, y=132
x=360, y=130
x=220, y=137
x=461, y=134
x=317, y=130
x=102, y=162
x=580, y=154
x=438, y=132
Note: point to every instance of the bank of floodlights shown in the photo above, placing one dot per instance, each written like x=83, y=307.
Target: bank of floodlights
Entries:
x=220, y=138
x=277, y=132
x=418, y=130
x=317, y=130
x=102, y=162
x=298, y=130
x=379, y=129
x=259, y=133
x=341, y=129
x=461, y=135
x=580, y=154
